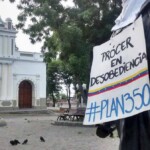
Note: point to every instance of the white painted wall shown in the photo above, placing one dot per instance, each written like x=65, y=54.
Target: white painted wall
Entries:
x=34, y=71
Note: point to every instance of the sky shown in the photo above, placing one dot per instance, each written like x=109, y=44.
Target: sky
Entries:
x=9, y=10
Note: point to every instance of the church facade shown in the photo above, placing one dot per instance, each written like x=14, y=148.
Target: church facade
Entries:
x=22, y=74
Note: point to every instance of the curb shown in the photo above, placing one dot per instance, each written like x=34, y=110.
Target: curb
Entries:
x=70, y=123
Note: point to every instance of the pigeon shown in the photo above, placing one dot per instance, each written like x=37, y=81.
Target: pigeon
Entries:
x=25, y=141
x=12, y=142
x=16, y=141
x=42, y=139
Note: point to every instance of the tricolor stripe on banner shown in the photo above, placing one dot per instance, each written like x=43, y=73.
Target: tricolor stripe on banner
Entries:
x=120, y=83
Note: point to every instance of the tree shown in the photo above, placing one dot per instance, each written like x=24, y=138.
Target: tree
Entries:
x=88, y=24
x=53, y=80
x=66, y=76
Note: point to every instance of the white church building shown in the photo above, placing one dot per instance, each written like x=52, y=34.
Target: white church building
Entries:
x=22, y=74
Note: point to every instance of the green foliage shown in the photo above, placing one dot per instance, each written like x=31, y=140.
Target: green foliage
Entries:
x=63, y=96
x=53, y=79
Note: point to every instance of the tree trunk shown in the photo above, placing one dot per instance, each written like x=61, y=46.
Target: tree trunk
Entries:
x=54, y=100
x=68, y=96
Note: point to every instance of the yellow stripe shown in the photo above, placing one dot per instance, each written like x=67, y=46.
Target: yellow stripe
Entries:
x=125, y=79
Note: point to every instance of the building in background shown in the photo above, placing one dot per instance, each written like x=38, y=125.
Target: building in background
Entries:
x=22, y=74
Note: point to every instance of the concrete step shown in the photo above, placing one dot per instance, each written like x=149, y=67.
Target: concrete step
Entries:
x=26, y=111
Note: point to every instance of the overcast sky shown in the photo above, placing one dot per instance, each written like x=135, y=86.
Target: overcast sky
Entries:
x=9, y=10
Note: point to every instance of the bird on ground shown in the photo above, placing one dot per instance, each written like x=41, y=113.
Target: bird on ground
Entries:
x=14, y=142
x=42, y=139
x=25, y=142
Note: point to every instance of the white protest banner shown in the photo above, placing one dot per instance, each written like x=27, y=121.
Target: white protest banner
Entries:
x=119, y=82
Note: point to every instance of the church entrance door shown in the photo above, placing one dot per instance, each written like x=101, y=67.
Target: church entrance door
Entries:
x=25, y=94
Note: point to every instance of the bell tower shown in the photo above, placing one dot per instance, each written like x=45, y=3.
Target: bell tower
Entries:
x=7, y=38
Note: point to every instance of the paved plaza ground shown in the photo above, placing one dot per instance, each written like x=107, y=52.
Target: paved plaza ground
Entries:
x=23, y=127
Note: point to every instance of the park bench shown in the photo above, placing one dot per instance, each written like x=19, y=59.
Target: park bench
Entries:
x=78, y=115
x=72, y=114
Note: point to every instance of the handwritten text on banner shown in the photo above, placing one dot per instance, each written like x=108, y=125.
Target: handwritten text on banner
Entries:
x=119, y=83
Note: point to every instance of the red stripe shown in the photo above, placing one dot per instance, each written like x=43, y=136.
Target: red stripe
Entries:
x=117, y=86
